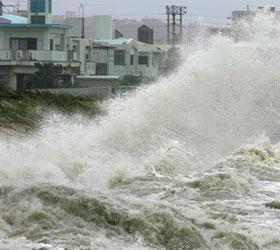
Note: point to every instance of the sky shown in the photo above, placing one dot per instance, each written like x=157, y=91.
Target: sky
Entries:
x=210, y=11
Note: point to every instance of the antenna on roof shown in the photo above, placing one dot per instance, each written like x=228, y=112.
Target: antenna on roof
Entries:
x=17, y=6
x=82, y=7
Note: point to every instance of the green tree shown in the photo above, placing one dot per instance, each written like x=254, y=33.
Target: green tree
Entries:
x=47, y=76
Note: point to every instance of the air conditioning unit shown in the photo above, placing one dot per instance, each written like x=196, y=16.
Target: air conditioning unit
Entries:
x=91, y=68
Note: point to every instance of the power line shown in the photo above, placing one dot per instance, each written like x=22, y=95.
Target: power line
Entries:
x=175, y=11
x=150, y=14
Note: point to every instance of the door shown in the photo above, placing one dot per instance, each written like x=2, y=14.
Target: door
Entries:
x=20, y=82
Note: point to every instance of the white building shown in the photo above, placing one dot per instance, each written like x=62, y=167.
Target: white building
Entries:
x=25, y=42
x=80, y=49
x=126, y=57
x=96, y=27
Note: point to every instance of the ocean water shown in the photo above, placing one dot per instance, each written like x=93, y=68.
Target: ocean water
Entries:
x=189, y=162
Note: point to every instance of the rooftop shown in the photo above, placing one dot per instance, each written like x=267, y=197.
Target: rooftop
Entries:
x=113, y=42
x=13, y=19
x=144, y=47
x=40, y=26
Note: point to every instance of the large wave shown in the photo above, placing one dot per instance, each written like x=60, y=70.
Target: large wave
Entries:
x=223, y=96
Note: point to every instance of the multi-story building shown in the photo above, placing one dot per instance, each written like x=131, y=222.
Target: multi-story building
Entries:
x=159, y=29
x=123, y=57
x=145, y=34
x=28, y=41
x=24, y=42
x=129, y=28
x=101, y=26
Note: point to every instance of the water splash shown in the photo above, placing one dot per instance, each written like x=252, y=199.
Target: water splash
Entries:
x=165, y=138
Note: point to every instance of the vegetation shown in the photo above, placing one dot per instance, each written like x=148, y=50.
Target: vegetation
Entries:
x=48, y=76
x=273, y=205
x=26, y=109
x=130, y=80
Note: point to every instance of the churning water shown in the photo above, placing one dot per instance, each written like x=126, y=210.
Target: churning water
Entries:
x=190, y=162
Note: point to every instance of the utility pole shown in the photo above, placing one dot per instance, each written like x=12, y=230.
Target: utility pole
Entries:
x=183, y=11
x=168, y=24
x=175, y=11
x=248, y=9
x=17, y=6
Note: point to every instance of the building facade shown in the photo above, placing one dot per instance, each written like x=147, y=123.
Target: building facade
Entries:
x=126, y=57
x=145, y=34
x=25, y=42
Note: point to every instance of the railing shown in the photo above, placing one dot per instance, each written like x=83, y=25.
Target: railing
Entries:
x=106, y=91
x=5, y=54
x=98, y=91
x=36, y=55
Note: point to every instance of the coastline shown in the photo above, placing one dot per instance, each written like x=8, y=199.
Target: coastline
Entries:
x=22, y=112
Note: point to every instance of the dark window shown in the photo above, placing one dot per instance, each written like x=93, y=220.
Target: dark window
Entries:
x=131, y=59
x=32, y=43
x=23, y=43
x=38, y=19
x=70, y=55
x=50, y=6
x=51, y=44
x=119, y=57
x=143, y=60
x=14, y=43
x=21, y=78
x=101, y=69
x=38, y=6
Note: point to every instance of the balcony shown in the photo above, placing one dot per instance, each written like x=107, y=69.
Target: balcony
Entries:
x=29, y=57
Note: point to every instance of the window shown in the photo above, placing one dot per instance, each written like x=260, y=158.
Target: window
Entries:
x=38, y=19
x=51, y=44
x=119, y=57
x=38, y=6
x=14, y=43
x=70, y=55
x=50, y=6
x=23, y=43
x=143, y=60
x=32, y=43
x=131, y=59
x=101, y=69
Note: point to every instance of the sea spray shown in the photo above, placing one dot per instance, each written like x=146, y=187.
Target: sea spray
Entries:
x=166, y=168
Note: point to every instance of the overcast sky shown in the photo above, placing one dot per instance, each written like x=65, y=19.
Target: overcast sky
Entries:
x=215, y=11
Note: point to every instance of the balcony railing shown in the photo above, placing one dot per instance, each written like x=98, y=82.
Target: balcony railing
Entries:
x=36, y=55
